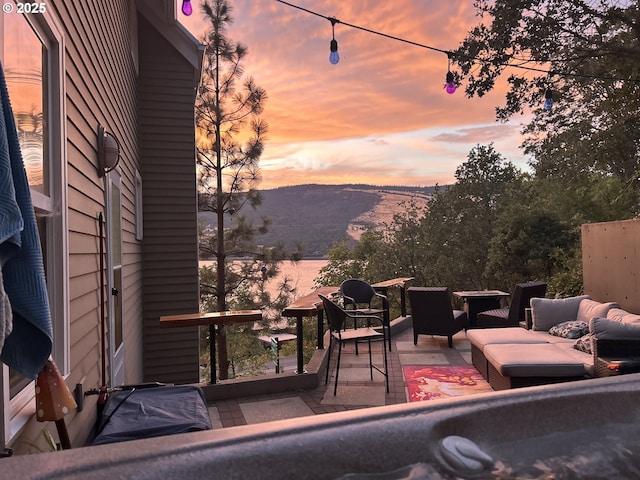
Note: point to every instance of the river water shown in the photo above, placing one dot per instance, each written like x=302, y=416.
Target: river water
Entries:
x=301, y=274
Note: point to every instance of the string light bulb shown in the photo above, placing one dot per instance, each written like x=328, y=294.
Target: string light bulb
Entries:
x=187, y=9
x=548, y=100
x=450, y=84
x=334, y=56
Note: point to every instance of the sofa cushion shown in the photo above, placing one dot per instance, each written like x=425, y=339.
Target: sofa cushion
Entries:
x=547, y=312
x=541, y=360
x=587, y=359
x=605, y=329
x=479, y=337
x=590, y=308
x=622, y=316
x=575, y=329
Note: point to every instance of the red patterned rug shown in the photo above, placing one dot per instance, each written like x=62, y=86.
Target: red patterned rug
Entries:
x=428, y=383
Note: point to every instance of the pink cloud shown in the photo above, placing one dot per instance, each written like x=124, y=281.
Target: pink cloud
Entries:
x=380, y=87
x=482, y=135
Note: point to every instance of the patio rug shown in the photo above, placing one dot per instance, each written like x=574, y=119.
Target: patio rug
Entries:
x=428, y=383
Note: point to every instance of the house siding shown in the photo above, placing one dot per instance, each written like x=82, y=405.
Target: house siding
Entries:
x=170, y=253
x=101, y=89
x=129, y=79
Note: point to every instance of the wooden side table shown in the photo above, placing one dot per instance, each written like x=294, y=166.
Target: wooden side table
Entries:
x=476, y=301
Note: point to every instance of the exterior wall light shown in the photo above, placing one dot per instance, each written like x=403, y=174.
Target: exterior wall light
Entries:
x=108, y=151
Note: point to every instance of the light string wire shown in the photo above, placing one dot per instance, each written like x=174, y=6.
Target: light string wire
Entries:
x=451, y=54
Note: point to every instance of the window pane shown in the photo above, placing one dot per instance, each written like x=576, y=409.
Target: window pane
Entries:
x=116, y=253
x=24, y=61
x=117, y=307
x=116, y=227
x=17, y=382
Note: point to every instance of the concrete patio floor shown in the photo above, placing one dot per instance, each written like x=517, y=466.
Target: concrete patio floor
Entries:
x=355, y=388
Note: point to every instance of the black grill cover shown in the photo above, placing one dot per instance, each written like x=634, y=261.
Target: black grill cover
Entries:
x=151, y=412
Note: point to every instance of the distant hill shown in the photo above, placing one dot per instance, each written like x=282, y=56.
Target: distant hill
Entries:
x=320, y=215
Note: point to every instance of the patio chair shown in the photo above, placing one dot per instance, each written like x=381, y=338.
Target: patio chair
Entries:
x=432, y=313
x=513, y=315
x=358, y=296
x=336, y=318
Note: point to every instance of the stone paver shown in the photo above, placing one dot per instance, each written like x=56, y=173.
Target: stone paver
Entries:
x=353, y=395
x=426, y=358
x=355, y=388
x=274, y=409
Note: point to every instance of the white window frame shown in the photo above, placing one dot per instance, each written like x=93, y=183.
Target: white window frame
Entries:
x=21, y=408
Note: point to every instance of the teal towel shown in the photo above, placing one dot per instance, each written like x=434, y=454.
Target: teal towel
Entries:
x=28, y=346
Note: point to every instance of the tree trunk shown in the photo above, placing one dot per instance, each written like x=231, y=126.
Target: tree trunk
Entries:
x=223, y=357
x=221, y=338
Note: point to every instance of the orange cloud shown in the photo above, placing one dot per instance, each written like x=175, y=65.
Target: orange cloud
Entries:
x=380, y=88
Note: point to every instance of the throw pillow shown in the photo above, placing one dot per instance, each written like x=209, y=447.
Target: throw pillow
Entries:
x=584, y=343
x=590, y=308
x=623, y=316
x=605, y=329
x=575, y=329
x=547, y=312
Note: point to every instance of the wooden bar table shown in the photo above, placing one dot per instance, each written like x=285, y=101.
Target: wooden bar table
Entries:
x=308, y=306
x=400, y=282
x=212, y=319
x=383, y=289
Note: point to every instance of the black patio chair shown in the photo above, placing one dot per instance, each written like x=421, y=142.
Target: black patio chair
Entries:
x=432, y=313
x=513, y=315
x=336, y=318
x=359, y=297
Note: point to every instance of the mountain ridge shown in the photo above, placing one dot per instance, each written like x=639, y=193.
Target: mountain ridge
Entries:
x=318, y=215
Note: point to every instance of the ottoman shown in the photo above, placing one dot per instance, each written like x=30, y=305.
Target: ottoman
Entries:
x=479, y=338
x=525, y=365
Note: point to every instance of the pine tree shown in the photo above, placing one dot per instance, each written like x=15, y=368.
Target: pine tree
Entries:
x=230, y=141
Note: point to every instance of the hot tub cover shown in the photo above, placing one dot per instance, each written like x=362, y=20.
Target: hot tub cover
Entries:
x=152, y=412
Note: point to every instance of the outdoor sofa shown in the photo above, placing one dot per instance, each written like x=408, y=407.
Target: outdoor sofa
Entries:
x=568, y=339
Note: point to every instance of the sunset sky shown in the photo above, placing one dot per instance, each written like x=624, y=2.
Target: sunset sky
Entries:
x=381, y=115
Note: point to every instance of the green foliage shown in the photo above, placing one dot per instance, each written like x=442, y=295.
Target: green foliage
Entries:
x=366, y=259
x=592, y=53
x=567, y=282
x=528, y=245
x=246, y=352
x=342, y=265
x=458, y=225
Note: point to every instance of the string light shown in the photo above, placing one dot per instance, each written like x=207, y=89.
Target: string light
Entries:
x=186, y=7
x=470, y=58
x=334, y=57
x=450, y=84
